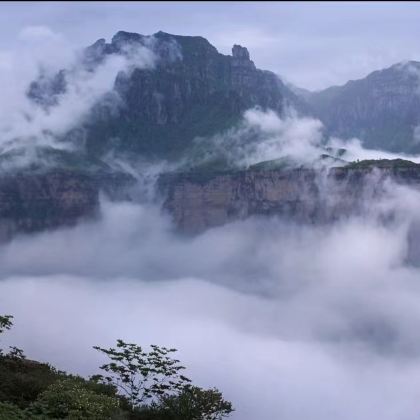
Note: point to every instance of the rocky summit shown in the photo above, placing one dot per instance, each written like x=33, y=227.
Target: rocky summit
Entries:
x=191, y=91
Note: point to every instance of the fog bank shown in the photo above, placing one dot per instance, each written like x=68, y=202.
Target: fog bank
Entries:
x=290, y=322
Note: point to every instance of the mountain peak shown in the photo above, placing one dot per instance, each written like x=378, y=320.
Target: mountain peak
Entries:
x=240, y=52
x=123, y=37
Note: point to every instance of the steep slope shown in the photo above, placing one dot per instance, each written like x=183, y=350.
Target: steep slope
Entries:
x=304, y=195
x=152, y=111
x=47, y=199
x=191, y=91
x=383, y=109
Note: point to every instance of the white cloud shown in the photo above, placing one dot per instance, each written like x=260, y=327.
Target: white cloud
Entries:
x=290, y=321
x=38, y=33
x=26, y=125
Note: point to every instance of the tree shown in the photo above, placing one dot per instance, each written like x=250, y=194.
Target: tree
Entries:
x=5, y=322
x=142, y=375
x=195, y=403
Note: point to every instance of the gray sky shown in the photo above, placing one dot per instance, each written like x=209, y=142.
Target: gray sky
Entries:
x=312, y=44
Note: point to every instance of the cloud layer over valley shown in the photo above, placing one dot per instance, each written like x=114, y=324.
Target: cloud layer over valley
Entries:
x=290, y=321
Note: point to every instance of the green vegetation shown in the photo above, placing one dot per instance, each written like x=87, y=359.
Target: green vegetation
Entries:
x=5, y=322
x=142, y=375
x=137, y=385
x=275, y=164
x=382, y=163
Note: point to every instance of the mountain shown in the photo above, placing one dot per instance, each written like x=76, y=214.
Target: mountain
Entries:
x=153, y=111
x=186, y=91
x=191, y=91
x=382, y=109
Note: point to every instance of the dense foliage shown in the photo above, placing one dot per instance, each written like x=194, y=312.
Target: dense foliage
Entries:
x=137, y=385
x=382, y=163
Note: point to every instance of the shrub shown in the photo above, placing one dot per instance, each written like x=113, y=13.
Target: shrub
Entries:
x=70, y=399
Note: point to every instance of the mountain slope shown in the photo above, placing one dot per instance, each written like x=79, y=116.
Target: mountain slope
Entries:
x=192, y=90
x=383, y=109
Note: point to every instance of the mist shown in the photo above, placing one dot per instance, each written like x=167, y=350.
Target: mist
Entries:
x=301, y=141
x=290, y=321
x=28, y=125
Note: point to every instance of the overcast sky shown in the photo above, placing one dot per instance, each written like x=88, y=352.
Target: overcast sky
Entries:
x=312, y=44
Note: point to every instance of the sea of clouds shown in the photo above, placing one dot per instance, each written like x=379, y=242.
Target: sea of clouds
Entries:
x=290, y=322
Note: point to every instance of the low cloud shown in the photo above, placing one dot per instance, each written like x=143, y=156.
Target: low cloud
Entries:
x=290, y=321
x=26, y=125
x=300, y=141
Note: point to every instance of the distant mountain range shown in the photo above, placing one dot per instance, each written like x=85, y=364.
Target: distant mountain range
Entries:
x=382, y=109
x=191, y=92
x=195, y=91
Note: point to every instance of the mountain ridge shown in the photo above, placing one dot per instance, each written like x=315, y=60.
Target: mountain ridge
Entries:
x=191, y=91
x=381, y=109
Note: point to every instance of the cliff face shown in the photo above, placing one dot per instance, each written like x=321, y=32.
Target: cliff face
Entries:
x=382, y=109
x=197, y=202
x=153, y=111
x=56, y=198
x=192, y=90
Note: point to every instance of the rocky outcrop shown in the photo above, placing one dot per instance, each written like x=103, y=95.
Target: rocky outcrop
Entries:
x=157, y=111
x=197, y=201
x=55, y=198
x=34, y=202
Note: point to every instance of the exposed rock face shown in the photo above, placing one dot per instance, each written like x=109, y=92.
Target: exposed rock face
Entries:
x=192, y=90
x=153, y=111
x=35, y=202
x=383, y=109
x=197, y=202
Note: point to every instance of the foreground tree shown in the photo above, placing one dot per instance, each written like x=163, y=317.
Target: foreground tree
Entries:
x=5, y=324
x=155, y=388
x=142, y=375
x=151, y=387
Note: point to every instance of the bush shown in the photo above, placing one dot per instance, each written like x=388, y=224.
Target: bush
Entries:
x=195, y=403
x=21, y=381
x=70, y=399
x=10, y=411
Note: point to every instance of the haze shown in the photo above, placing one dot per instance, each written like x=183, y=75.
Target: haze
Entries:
x=312, y=44
x=290, y=321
